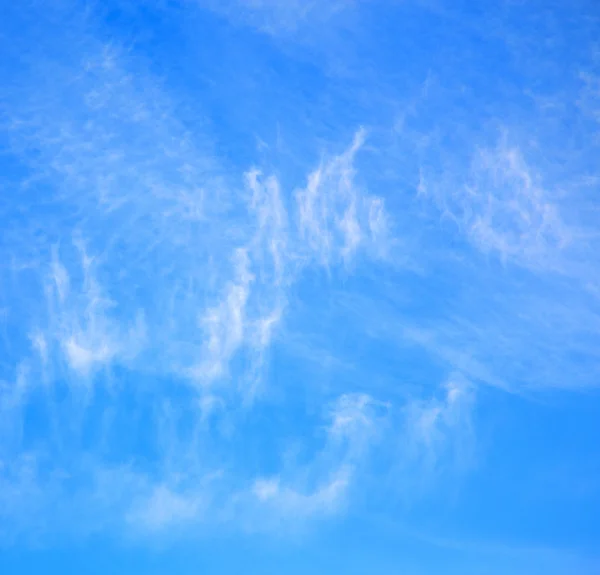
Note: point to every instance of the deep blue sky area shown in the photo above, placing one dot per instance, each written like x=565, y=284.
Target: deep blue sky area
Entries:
x=295, y=286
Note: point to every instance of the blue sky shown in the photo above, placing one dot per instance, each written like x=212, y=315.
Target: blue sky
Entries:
x=300, y=287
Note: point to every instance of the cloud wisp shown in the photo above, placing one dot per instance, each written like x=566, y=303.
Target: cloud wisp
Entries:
x=134, y=289
x=198, y=335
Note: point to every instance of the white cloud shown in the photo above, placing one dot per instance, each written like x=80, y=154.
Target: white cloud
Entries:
x=80, y=321
x=292, y=504
x=59, y=276
x=83, y=358
x=321, y=487
x=165, y=509
x=508, y=211
x=251, y=304
x=501, y=205
x=355, y=418
x=336, y=218
x=439, y=430
x=225, y=324
x=179, y=279
x=378, y=222
x=271, y=222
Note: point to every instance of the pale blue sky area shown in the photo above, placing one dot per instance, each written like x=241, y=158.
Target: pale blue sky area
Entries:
x=301, y=287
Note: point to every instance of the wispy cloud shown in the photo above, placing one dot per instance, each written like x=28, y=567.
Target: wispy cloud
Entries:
x=439, y=430
x=82, y=324
x=165, y=509
x=225, y=324
x=162, y=290
x=510, y=212
x=335, y=217
x=290, y=504
x=504, y=210
x=320, y=488
x=213, y=334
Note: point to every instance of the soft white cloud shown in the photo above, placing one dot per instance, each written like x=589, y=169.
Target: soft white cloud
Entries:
x=90, y=329
x=270, y=241
x=191, y=269
x=378, y=222
x=355, y=418
x=251, y=304
x=523, y=343
x=506, y=209
x=438, y=431
x=60, y=276
x=81, y=321
x=164, y=509
x=321, y=487
x=336, y=217
x=225, y=324
x=426, y=419
x=180, y=287
x=502, y=206
x=292, y=504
